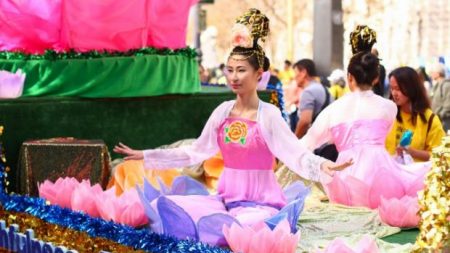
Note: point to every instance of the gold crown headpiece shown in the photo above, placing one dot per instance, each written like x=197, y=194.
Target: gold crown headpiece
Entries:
x=251, y=27
x=362, y=39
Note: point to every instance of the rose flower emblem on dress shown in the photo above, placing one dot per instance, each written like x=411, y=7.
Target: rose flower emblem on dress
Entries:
x=236, y=132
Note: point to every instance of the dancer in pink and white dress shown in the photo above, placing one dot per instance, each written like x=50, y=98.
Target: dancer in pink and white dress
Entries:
x=358, y=124
x=250, y=134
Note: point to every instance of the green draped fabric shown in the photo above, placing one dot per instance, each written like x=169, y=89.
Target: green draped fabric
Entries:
x=145, y=75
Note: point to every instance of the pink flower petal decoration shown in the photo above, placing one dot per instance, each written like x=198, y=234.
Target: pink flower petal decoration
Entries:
x=352, y=191
x=84, y=198
x=132, y=213
x=365, y=245
x=260, y=238
x=241, y=36
x=11, y=84
x=60, y=192
x=105, y=203
x=126, y=209
x=400, y=212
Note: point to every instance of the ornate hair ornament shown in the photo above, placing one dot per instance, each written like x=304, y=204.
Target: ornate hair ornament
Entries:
x=250, y=28
x=362, y=39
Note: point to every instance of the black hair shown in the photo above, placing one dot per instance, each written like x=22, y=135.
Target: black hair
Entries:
x=252, y=57
x=364, y=67
x=308, y=65
x=409, y=83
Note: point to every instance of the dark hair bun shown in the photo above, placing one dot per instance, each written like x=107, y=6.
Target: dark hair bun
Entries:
x=364, y=67
x=369, y=61
x=266, y=65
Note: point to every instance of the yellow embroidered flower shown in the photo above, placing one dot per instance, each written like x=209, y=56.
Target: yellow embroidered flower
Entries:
x=236, y=132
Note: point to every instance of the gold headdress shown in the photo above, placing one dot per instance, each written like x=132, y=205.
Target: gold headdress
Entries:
x=362, y=39
x=251, y=27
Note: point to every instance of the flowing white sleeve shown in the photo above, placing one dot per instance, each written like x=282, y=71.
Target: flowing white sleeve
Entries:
x=391, y=111
x=283, y=143
x=319, y=133
x=201, y=149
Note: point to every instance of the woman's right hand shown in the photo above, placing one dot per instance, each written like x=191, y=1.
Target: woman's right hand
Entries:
x=330, y=167
x=129, y=153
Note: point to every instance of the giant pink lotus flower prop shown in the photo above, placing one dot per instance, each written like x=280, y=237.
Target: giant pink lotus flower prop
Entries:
x=60, y=192
x=352, y=191
x=365, y=245
x=260, y=238
x=400, y=212
x=84, y=197
x=11, y=84
x=125, y=209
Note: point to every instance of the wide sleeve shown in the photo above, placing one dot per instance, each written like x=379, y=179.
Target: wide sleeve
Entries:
x=201, y=149
x=286, y=147
x=319, y=133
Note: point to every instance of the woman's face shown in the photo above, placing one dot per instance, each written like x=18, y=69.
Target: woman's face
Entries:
x=399, y=98
x=241, y=76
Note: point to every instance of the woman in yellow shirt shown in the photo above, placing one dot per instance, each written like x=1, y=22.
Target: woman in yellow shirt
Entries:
x=414, y=114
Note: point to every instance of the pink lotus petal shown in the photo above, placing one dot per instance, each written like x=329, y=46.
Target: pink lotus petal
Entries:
x=60, y=192
x=133, y=215
x=365, y=245
x=283, y=239
x=84, y=198
x=337, y=191
x=387, y=186
x=355, y=192
x=47, y=191
x=400, y=212
x=247, y=240
x=126, y=209
x=237, y=237
x=262, y=241
x=105, y=204
x=11, y=84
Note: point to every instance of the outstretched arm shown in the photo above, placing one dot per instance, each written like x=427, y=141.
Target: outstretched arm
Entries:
x=201, y=149
x=284, y=145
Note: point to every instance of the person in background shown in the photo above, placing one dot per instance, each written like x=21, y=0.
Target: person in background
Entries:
x=203, y=73
x=337, y=81
x=314, y=98
x=379, y=88
x=425, y=79
x=287, y=74
x=219, y=75
x=414, y=114
x=440, y=100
